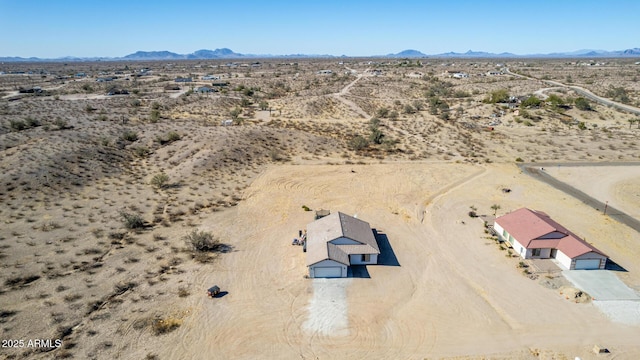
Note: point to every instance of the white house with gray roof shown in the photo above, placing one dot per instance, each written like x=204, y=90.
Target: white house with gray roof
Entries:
x=337, y=241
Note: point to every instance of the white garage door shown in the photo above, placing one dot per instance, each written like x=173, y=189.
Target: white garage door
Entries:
x=587, y=264
x=327, y=272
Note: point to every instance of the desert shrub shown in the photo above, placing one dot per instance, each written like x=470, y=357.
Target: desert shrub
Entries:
x=583, y=104
x=135, y=103
x=183, y=292
x=275, y=155
x=132, y=221
x=155, y=105
x=618, y=94
x=89, y=108
x=263, y=105
x=31, y=122
x=129, y=135
x=376, y=136
x=173, y=136
x=21, y=280
x=202, y=241
x=531, y=102
x=497, y=96
x=582, y=125
x=382, y=112
x=160, y=180
x=61, y=124
x=519, y=159
x=155, y=116
x=17, y=125
x=358, y=143
x=305, y=208
x=163, y=326
x=408, y=109
x=461, y=94
x=142, y=151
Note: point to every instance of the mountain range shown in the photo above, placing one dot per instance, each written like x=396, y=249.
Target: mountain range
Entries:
x=225, y=53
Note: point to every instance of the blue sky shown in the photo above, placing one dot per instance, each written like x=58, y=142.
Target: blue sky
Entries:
x=48, y=28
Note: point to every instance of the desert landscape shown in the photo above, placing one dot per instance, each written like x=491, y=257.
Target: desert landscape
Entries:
x=129, y=188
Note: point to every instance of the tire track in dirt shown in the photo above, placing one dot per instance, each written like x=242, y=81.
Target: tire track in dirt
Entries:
x=422, y=209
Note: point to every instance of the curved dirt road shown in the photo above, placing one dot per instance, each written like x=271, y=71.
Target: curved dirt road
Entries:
x=584, y=92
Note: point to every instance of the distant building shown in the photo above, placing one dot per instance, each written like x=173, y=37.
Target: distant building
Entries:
x=324, y=72
x=184, y=80
x=210, y=77
x=460, y=75
x=205, y=89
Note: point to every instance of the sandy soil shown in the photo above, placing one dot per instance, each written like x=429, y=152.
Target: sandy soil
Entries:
x=453, y=293
x=619, y=185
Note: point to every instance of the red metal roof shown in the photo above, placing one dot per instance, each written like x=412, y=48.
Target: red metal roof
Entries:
x=536, y=230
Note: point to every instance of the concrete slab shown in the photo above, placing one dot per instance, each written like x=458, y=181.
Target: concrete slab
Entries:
x=600, y=284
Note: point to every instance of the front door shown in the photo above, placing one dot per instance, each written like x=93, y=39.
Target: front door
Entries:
x=553, y=253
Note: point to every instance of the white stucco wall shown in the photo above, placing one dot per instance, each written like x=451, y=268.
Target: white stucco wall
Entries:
x=521, y=250
x=498, y=229
x=563, y=259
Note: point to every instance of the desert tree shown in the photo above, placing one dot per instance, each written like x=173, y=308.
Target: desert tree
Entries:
x=497, y=96
x=583, y=104
x=495, y=208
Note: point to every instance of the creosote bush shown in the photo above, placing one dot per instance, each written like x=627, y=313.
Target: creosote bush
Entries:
x=132, y=221
x=130, y=136
x=201, y=241
x=160, y=180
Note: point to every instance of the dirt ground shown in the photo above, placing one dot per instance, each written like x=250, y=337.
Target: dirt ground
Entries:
x=453, y=293
x=619, y=186
x=76, y=164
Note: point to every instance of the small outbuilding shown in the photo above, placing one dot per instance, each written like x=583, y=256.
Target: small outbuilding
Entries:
x=534, y=235
x=336, y=241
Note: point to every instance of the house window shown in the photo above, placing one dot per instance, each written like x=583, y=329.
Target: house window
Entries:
x=535, y=252
x=366, y=257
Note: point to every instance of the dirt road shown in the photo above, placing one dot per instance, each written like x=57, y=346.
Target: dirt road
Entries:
x=582, y=91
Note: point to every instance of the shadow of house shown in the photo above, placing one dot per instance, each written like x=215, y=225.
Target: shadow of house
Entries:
x=358, y=271
x=387, y=256
x=613, y=266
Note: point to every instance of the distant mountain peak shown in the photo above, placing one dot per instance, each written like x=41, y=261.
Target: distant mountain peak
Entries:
x=408, y=53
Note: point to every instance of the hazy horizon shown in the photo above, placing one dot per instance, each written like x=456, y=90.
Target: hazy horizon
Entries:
x=118, y=28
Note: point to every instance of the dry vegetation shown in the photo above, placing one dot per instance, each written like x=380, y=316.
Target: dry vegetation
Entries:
x=98, y=192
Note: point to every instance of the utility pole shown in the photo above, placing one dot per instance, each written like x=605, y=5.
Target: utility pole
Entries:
x=606, y=204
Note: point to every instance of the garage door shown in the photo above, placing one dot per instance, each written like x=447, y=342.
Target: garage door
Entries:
x=327, y=272
x=587, y=264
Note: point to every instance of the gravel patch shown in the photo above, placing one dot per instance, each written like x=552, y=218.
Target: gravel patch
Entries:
x=328, y=308
x=620, y=311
